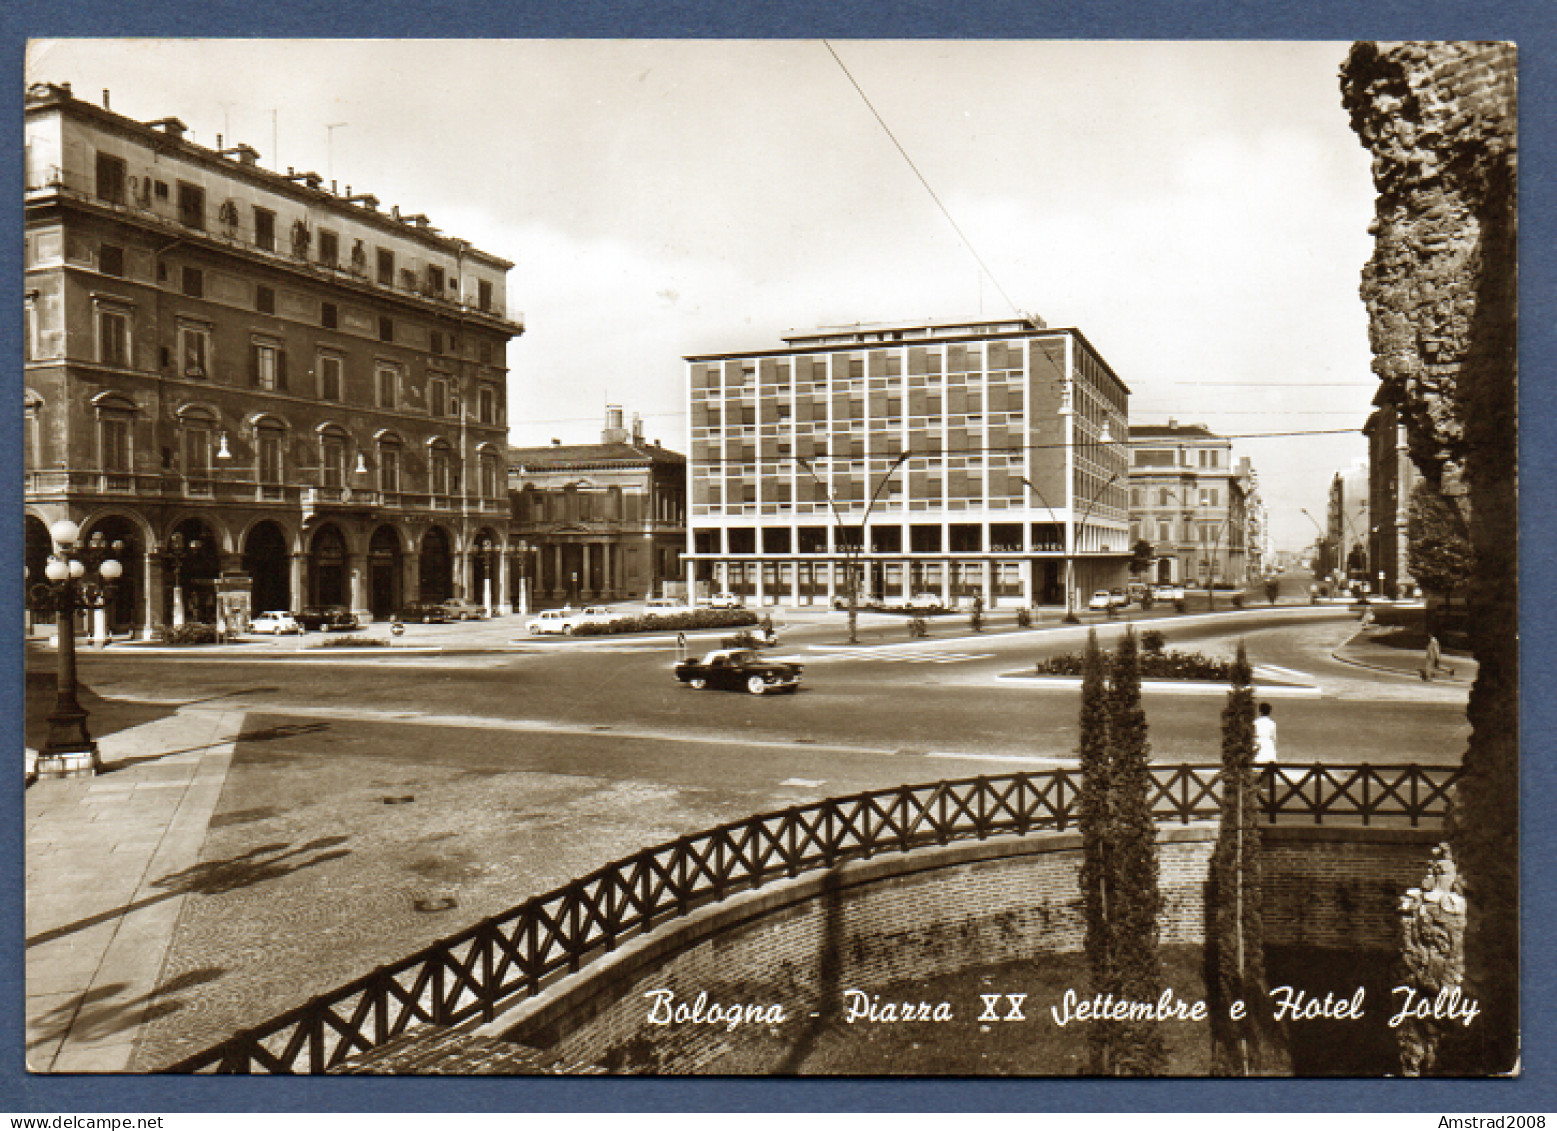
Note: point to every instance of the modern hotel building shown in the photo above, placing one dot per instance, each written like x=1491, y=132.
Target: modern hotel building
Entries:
x=970, y=459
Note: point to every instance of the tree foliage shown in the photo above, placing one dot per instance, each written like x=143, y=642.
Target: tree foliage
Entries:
x=1119, y=877
x=1235, y=933
x=1093, y=821
x=1438, y=549
x=1141, y=555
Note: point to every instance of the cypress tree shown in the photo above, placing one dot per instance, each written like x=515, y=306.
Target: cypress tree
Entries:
x=1235, y=933
x=1093, y=822
x=1132, y=853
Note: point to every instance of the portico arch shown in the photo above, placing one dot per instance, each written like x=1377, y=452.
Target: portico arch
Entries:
x=384, y=572
x=437, y=565
x=327, y=567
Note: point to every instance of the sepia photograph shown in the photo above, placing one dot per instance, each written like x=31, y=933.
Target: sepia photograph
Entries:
x=909, y=558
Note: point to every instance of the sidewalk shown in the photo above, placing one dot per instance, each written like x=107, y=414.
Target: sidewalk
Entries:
x=1403, y=653
x=104, y=859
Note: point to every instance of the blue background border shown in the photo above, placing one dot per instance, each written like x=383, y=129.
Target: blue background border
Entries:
x=1529, y=23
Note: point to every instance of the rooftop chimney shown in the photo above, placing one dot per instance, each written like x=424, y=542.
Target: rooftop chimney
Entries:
x=105, y=99
x=243, y=154
x=637, y=429
x=614, y=433
x=170, y=126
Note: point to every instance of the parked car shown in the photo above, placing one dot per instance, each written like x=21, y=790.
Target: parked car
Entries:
x=739, y=669
x=275, y=624
x=925, y=603
x=1102, y=599
x=726, y=601
x=426, y=612
x=1118, y=598
x=665, y=607
x=463, y=610
x=1168, y=593
x=564, y=621
x=327, y=618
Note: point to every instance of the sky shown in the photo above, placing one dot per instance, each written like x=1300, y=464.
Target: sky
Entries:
x=1198, y=210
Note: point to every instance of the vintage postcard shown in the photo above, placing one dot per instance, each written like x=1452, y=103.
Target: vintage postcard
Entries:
x=787, y=557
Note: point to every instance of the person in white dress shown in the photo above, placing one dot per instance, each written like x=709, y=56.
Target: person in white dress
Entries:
x=1264, y=736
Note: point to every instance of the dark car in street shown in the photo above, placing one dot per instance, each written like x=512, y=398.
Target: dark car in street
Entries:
x=327, y=618
x=738, y=669
x=463, y=610
x=427, y=612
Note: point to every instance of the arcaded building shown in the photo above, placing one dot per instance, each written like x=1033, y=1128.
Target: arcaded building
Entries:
x=261, y=385
x=967, y=460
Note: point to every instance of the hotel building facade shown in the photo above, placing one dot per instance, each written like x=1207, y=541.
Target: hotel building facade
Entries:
x=264, y=389
x=968, y=460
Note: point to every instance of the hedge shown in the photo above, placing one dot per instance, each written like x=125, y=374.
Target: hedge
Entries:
x=698, y=618
x=190, y=632
x=350, y=642
x=1153, y=665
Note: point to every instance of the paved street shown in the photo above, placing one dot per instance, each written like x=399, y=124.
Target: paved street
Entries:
x=293, y=819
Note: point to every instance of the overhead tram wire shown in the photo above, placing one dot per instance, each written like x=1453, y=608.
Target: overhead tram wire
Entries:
x=984, y=267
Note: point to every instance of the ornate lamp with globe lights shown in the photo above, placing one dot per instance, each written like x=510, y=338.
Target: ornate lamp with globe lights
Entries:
x=70, y=750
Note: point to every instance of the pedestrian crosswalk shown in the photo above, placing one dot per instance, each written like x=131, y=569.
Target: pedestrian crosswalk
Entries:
x=896, y=654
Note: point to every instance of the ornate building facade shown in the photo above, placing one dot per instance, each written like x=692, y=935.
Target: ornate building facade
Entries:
x=256, y=383
x=599, y=522
x=1187, y=499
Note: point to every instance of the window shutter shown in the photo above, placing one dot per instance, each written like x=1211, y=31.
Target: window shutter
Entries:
x=254, y=365
x=281, y=370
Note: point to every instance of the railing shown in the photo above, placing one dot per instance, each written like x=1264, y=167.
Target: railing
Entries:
x=514, y=955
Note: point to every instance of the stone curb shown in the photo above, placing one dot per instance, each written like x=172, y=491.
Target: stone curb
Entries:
x=1171, y=686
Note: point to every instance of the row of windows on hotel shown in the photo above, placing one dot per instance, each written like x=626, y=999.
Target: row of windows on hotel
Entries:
x=885, y=538
x=337, y=452
x=956, y=359
x=268, y=367
x=927, y=396
x=113, y=183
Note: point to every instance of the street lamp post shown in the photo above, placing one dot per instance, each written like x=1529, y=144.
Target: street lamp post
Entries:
x=854, y=551
x=179, y=553
x=69, y=750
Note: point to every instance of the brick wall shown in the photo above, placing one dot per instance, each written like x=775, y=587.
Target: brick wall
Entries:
x=869, y=925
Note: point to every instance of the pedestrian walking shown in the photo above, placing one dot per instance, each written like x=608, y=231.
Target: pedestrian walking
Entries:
x=1264, y=736
x=1432, y=660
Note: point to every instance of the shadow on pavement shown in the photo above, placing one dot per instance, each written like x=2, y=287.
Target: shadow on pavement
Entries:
x=107, y=716
x=267, y=734
x=214, y=877
x=96, y=1014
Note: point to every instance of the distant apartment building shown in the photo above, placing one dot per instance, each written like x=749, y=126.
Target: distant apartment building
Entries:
x=1392, y=478
x=1347, y=528
x=1187, y=500
x=597, y=522
x=1259, y=550
x=969, y=460
x=260, y=386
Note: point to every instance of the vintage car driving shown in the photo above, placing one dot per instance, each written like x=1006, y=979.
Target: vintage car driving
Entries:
x=327, y=618
x=564, y=621
x=739, y=669
x=276, y=623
